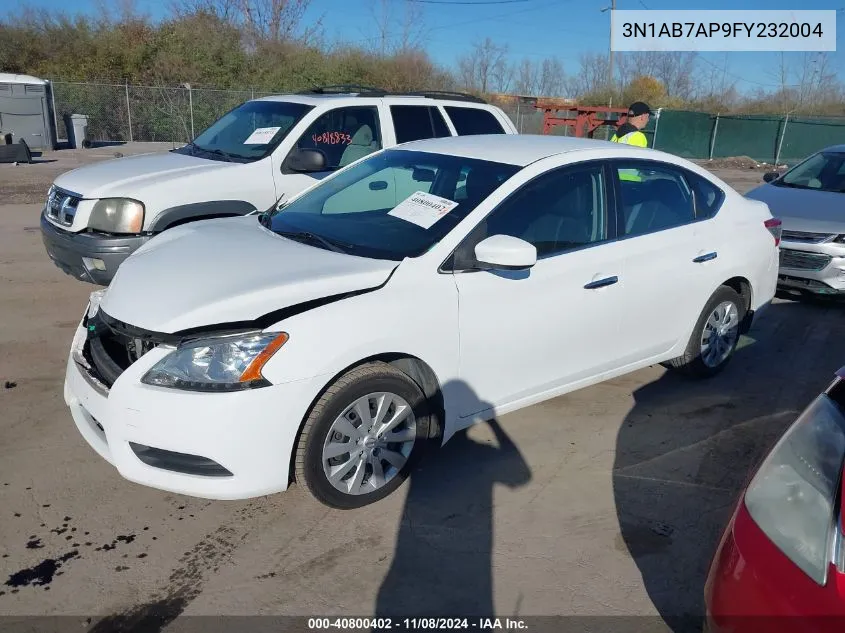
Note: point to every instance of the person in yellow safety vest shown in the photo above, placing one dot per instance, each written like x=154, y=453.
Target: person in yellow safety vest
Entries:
x=630, y=133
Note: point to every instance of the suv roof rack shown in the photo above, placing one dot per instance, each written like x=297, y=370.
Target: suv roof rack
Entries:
x=444, y=94
x=368, y=91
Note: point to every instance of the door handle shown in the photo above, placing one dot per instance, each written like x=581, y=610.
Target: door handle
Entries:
x=601, y=283
x=705, y=258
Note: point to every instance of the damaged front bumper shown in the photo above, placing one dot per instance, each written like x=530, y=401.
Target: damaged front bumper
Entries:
x=212, y=445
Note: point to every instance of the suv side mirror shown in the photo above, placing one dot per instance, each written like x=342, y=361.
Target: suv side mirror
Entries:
x=504, y=252
x=307, y=161
x=769, y=176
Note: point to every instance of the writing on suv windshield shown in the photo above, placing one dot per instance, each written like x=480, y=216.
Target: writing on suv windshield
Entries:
x=824, y=171
x=393, y=205
x=248, y=133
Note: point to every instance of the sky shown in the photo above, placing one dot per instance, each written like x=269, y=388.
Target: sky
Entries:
x=533, y=29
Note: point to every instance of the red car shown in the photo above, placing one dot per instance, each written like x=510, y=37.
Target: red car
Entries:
x=780, y=565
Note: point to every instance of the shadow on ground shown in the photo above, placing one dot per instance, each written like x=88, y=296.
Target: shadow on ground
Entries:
x=686, y=449
x=442, y=564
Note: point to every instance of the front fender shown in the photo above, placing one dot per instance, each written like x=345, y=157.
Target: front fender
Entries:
x=200, y=211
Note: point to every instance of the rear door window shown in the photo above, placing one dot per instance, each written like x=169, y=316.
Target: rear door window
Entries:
x=469, y=121
x=413, y=123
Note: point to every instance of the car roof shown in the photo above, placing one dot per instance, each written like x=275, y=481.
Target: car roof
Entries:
x=835, y=148
x=514, y=149
x=318, y=99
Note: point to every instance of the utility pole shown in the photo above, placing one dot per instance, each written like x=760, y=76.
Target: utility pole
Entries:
x=611, y=8
x=610, y=65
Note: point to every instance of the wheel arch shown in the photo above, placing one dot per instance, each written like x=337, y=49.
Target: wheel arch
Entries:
x=412, y=366
x=196, y=211
x=743, y=288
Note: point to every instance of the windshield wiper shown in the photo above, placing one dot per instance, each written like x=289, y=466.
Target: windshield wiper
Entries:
x=332, y=245
x=219, y=152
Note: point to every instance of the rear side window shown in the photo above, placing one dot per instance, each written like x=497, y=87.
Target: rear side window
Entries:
x=707, y=197
x=413, y=123
x=468, y=121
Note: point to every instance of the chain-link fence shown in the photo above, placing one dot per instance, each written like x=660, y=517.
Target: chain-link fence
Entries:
x=120, y=112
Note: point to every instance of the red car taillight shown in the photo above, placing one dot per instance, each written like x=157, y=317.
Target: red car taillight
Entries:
x=775, y=228
x=792, y=498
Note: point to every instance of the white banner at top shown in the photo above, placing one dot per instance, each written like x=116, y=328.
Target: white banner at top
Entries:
x=706, y=31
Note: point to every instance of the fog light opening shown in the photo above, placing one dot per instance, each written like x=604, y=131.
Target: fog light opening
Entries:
x=93, y=262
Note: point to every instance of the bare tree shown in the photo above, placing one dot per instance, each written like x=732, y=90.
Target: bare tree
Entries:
x=263, y=20
x=592, y=76
x=485, y=67
x=674, y=70
x=552, y=79
x=400, y=26
x=526, y=76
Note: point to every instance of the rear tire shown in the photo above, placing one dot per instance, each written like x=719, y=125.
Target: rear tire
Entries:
x=715, y=336
x=348, y=456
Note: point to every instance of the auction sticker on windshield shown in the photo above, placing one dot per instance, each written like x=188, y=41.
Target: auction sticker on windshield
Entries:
x=422, y=209
x=262, y=136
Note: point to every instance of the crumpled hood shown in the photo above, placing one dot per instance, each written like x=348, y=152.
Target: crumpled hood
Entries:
x=803, y=209
x=128, y=177
x=229, y=270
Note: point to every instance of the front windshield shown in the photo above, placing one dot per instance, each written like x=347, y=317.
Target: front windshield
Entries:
x=249, y=132
x=824, y=171
x=393, y=205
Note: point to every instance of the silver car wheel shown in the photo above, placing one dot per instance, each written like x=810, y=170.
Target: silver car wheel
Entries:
x=720, y=334
x=369, y=443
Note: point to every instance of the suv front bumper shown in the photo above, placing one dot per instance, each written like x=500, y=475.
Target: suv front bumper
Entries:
x=91, y=257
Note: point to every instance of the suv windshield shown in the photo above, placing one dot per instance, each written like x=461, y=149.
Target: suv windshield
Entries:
x=248, y=133
x=393, y=205
x=824, y=171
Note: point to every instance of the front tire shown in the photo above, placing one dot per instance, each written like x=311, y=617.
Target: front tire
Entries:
x=362, y=437
x=715, y=336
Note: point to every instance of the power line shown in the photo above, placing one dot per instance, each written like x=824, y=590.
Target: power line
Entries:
x=451, y=25
x=469, y=2
x=739, y=77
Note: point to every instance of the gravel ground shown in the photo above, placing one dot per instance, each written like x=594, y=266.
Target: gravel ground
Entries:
x=28, y=183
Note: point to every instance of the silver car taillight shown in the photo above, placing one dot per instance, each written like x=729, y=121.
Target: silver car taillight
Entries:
x=792, y=496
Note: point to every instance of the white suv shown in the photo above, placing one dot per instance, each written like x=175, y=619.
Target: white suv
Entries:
x=262, y=151
x=403, y=298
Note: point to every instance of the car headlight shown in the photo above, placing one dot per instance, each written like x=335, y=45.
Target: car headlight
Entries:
x=791, y=498
x=230, y=363
x=117, y=215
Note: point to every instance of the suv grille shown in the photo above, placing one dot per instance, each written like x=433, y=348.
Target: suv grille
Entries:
x=112, y=346
x=61, y=205
x=799, y=260
x=806, y=238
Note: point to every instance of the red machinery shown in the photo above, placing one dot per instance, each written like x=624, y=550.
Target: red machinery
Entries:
x=584, y=120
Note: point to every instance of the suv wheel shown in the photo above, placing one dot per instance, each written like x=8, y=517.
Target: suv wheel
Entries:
x=715, y=336
x=362, y=437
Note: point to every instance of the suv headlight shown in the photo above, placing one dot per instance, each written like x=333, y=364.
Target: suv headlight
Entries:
x=117, y=215
x=230, y=363
x=791, y=498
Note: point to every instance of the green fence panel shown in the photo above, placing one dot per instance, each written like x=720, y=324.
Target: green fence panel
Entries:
x=804, y=136
x=682, y=133
x=749, y=135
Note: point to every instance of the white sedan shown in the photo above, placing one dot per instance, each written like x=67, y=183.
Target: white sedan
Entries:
x=409, y=295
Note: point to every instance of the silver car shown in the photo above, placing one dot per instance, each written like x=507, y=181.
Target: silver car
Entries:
x=810, y=201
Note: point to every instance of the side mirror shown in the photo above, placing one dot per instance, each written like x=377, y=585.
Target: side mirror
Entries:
x=503, y=252
x=769, y=176
x=307, y=160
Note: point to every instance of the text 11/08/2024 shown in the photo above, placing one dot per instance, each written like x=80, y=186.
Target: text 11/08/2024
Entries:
x=711, y=31
x=416, y=624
